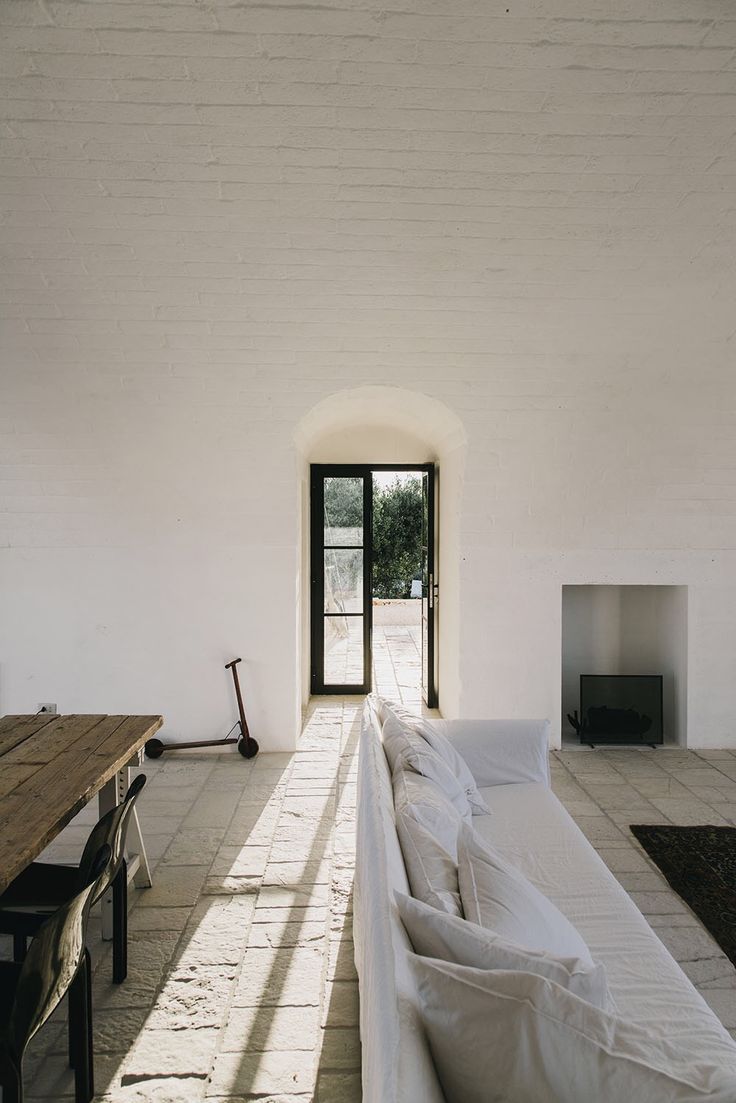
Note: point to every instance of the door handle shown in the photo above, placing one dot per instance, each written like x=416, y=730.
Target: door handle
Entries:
x=432, y=591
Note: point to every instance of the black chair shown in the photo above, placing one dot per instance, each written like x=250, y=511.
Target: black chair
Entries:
x=42, y=887
x=57, y=962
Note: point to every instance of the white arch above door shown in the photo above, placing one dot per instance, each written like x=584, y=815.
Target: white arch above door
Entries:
x=381, y=418
x=382, y=424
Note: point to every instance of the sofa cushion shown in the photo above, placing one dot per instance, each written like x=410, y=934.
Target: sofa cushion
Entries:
x=406, y=750
x=436, y=934
x=442, y=747
x=395, y=738
x=431, y=871
x=497, y=896
x=422, y=800
x=498, y=1035
x=456, y=763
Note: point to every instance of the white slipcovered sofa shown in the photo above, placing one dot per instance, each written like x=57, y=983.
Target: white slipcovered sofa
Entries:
x=406, y=1056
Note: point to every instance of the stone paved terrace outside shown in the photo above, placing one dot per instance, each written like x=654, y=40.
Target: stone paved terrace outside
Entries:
x=241, y=981
x=397, y=652
x=397, y=663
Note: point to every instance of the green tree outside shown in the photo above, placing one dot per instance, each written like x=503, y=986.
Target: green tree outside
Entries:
x=397, y=537
x=397, y=532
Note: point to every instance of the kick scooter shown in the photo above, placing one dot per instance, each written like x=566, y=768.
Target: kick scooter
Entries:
x=246, y=744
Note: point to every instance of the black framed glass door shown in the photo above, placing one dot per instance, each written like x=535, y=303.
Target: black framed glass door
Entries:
x=341, y=499
x=341, y=561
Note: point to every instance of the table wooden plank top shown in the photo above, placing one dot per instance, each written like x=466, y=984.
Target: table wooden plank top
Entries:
x=50, y=767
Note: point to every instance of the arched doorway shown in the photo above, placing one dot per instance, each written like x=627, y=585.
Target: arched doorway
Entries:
x=389, y=428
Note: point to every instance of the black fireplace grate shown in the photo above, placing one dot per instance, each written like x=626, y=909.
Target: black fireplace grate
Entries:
x=620, y=708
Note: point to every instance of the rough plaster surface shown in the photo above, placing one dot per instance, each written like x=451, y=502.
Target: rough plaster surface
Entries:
x=217, y=216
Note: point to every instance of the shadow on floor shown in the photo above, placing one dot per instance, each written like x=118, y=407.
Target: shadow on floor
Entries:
x=241, y=981
x=207, y=823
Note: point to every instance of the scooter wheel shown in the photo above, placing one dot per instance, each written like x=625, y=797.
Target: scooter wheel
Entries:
x=154, y=748
x=248, y=748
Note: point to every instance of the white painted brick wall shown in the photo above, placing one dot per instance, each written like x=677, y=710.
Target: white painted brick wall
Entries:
x=213, y=216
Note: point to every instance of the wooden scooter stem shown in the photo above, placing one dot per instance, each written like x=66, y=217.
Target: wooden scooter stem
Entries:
x=243, y=722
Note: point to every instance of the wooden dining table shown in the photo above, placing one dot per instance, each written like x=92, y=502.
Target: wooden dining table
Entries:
x=51, y=766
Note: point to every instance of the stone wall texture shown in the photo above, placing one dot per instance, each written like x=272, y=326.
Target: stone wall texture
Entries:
x=216, y=215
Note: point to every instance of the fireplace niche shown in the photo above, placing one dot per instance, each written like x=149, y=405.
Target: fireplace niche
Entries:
x=620, y=708
x=633, y=631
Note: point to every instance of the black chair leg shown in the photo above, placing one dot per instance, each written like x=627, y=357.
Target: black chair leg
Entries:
x=19, y=947
x=80, y=1039
x=11, y=1081
x=90, y=1039
x=75, y=1015
x=120, y=925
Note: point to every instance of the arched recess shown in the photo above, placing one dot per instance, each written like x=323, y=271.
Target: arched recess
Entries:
x=390, y=425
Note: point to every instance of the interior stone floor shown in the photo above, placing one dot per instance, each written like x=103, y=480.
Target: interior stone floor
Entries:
x=241, y=980
x=397, y=663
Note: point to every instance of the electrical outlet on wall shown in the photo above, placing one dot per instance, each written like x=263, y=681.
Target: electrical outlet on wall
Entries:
x=46, y=706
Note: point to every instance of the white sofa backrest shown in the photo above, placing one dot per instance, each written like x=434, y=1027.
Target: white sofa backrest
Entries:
x=500, y=752
x=398, y=1066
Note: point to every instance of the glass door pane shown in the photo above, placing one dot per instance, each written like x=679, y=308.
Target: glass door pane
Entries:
x=343, y=580
x=343, y=650
x=343, y=512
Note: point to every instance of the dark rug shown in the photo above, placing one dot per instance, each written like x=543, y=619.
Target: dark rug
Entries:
x=700, y=864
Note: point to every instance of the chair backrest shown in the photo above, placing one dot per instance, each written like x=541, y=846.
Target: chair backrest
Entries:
x=53, y=959
x=110, y=829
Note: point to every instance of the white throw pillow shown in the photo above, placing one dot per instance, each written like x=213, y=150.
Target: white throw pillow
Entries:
x=499, y=897
x=395, y=739
x=436, y=934
x=423, y=760
x=431, y=871
x=442, y=746
x=386, y=708
x=405, y=749
x=498, y=1036
x=421, y=799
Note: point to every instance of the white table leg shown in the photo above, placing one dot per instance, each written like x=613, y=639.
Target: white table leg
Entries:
x=110, y=796
x=138, y=867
